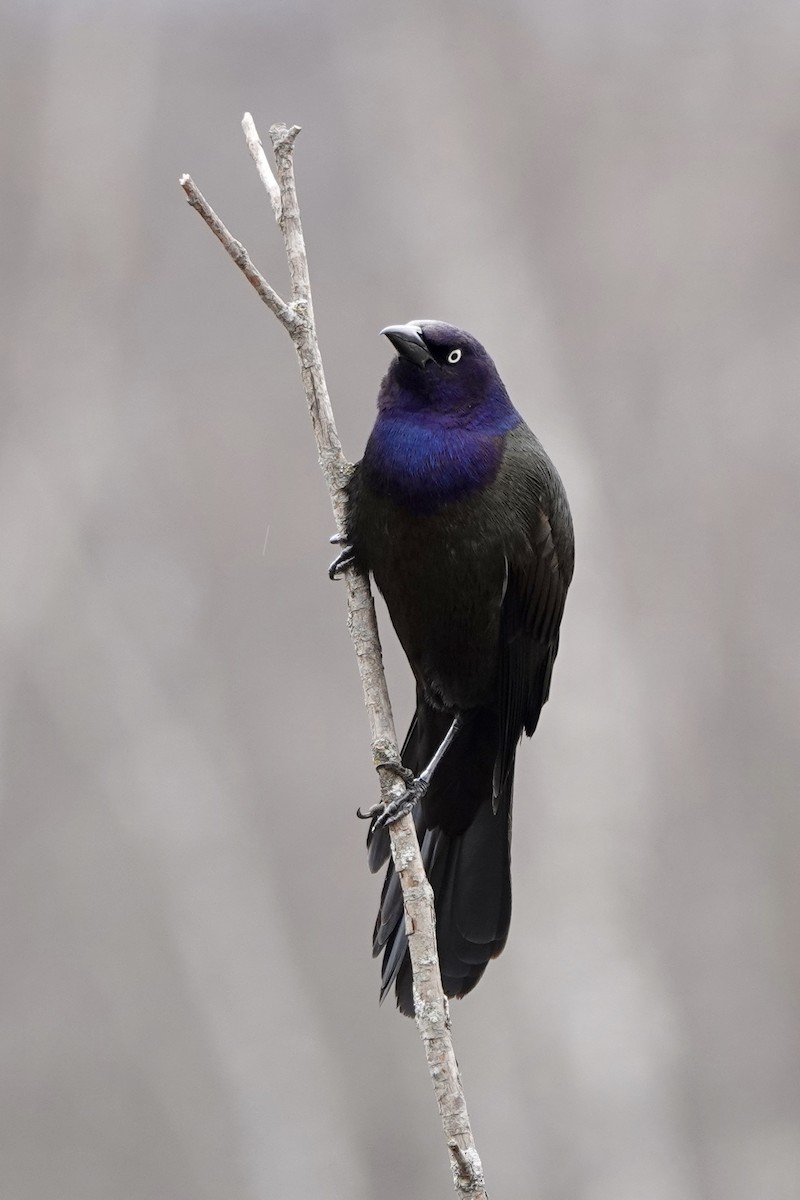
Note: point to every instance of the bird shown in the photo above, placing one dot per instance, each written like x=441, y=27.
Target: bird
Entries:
x=462, y=520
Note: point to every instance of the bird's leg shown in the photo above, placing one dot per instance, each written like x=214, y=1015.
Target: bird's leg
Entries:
x=381, y=814
x=344, y=559
x=446, y=743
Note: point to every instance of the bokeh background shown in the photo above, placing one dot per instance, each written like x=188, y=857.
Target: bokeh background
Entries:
x=609, y=197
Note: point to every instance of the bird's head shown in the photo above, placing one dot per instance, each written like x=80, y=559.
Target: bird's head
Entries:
x=441, y=370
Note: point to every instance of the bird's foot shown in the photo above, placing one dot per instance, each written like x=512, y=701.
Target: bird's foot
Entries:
x=382, y=815
x=344, y=559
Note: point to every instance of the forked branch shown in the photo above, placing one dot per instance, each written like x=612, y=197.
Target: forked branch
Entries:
x=297, y=318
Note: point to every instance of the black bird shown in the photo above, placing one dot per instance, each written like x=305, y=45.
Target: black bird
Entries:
x=463, y=522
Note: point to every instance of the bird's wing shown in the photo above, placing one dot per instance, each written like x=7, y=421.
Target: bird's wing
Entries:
x=533, y=604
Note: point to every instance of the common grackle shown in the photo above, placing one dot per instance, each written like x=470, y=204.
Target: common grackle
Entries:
x=463, y=522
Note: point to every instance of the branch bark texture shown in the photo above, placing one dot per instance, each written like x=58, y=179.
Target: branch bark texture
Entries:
x=297, y=318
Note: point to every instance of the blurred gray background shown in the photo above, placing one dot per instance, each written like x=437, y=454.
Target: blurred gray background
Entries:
x=609, y=197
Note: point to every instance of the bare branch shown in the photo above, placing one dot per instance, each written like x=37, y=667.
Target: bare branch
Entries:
x=239, y=255
x=262, y=164
x=283, y=140
x=430, y=1003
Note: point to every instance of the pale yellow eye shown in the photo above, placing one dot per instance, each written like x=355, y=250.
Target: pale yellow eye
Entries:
x=454, y=356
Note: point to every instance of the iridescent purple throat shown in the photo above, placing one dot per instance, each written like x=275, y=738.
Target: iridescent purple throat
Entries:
x=425, y=459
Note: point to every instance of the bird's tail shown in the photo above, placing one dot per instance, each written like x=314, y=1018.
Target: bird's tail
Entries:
x=464, y=827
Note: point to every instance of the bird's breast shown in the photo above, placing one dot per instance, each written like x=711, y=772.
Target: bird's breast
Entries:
x=424, y=466
x=442, y=575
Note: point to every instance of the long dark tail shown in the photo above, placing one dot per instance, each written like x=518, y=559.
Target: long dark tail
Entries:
x=464, y=827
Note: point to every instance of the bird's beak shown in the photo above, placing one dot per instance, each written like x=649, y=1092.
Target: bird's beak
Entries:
x=409, y=343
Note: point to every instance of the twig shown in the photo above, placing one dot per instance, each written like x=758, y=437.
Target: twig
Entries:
x=262, y=164
x=297, y=317
x=285, y=315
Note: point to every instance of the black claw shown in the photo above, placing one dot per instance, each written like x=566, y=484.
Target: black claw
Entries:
x=398, y=808
x=386, y=814
x=341, y=562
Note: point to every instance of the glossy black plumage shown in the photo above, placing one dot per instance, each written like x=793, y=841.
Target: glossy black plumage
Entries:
x=463, y=521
